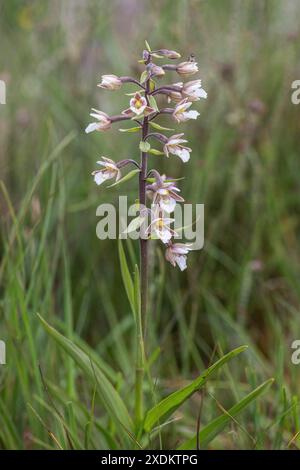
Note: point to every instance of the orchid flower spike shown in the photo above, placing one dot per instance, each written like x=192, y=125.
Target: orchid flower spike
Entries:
x=181, y=114
x=175, y=147
x=110, y=170
x=143, y=109
x=103, y=124
x=176, y=254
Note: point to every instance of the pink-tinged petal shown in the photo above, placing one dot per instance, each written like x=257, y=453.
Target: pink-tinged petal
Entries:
x=92, y=127
x=165, y=235
x=202, y=93
x=137, y=111
x=128, y=112
x=166, y=150
x=183, y=154
x=191, y=114
x=168, y=204
x=148, y=110
x=100, y=177
x=181, y=262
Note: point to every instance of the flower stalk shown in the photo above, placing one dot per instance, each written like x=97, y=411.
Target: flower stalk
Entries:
x=163, y=191
x=143, y=272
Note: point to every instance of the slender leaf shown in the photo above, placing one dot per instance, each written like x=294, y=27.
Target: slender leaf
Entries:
x=125, y=178
x=169, y=404
x=152, y=102
x=147, y=46
x=209, y=432
x=155, y=152
x=131, y=129
x=107, y=393
x=159, y=127
x=127, y=279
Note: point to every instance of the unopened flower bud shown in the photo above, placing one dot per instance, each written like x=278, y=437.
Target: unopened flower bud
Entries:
x=187, y=68
x=169, y=54
x=110, y=82
x=146, y=55
x=156, y=70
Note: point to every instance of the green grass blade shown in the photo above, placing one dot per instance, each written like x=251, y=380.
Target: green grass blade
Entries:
x=209, y=432
x=108, y=395
x=127, y=279
x=169, y=404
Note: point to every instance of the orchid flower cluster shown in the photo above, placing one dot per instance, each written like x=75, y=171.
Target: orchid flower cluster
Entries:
x=143, y=110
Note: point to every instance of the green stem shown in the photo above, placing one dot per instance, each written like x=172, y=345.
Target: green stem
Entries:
x=142, y=310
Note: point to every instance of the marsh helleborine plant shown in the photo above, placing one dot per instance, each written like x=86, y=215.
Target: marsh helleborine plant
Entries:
x=143, y=110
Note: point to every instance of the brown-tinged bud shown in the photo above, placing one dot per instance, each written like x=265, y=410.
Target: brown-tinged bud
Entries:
x=155, y=70
x=169, y=54
x=146, y=55
x=187, y=68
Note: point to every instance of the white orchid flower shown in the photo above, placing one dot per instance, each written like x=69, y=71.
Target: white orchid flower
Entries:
x=176, y=254
x=181, y=113
x=138, y=106
x=103, y=122
x=193, y=91
x=160, y=228
x=110, y=170
x=175, y=147
x=164, y=194
x=187, y=68
x=110, y=82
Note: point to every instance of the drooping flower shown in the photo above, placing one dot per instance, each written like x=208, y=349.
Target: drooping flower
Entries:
x=193, y=90
x=175, y=147
x=176, y=254
x=164, y=194
x=103, y=124
x=181, y=114
x=138, y=106
x=110, y=170
x=187, y=68
x=160, y=228
x=110, y=82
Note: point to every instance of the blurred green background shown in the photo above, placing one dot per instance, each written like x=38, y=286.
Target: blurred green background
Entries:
x=242, y=288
